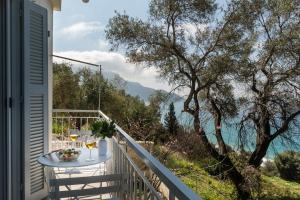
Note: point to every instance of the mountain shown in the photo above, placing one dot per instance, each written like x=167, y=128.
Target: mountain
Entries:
x=133, y=88
x=136, y=89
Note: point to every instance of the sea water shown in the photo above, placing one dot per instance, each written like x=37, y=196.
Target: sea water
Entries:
x=230, y=132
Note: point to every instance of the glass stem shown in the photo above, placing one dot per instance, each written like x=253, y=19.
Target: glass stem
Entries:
x=90, y=154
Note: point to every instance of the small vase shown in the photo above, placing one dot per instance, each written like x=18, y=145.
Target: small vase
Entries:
x=102, y=147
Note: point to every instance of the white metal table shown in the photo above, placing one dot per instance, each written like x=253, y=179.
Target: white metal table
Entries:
x=52, y=161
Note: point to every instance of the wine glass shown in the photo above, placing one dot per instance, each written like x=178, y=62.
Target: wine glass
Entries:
x=74, y=138
x=90, y=143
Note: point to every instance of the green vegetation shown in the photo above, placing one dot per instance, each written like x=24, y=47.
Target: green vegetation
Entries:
x=194, y=176
x=213, y=52
x=269, y=169
x=78, y=89
x=211, y=187
x=193, y=164
x=247, y=47
x=171, y=122
x=288, y=165
x=103, y=129
x=277, y=188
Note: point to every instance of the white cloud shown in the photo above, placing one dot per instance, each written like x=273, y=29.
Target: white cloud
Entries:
x=117, y=63
x=81, y=29
x=103, y=45
x=191, y=29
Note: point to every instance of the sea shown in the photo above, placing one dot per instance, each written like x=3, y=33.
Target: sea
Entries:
x=230, y=132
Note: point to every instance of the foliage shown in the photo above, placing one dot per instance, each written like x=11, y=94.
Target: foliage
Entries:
x=57, y=128
x=271, y=73
x=274, y=188
x=65, y=87
x=193, y=173
x=190, y=145
x=269, y=169
x=239, y=159
x=252, y=46
x=288, y=165
x=171, y=122
x=103, y=129
x=79, y=90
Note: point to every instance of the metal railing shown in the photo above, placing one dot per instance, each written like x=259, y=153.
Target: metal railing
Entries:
x=135, y=183
x=66, y=122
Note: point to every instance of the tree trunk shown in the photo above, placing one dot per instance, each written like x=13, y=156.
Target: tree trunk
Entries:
x=227, y=166
x=239, y=183
x=260, y=151
x=263, y=141
x=218, y=133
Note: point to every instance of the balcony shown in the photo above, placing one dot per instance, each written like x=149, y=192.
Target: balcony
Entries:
x=131, y=173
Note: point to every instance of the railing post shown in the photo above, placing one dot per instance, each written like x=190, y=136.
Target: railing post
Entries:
x=131, y=170
x=114, y=170
x=135, y=186
x=145, y=191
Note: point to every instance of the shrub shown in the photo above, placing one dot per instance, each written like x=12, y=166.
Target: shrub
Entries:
x=190, y=145
x=213, y=167
x=288, y=165
x=269, y=168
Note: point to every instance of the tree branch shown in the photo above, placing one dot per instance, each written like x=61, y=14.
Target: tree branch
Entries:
x=218, y=118
x=253, y=87
x=212, y=47
x=284, y=127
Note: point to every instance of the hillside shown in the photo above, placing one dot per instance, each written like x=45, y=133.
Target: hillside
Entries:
x=208, y=187
x=133, y=88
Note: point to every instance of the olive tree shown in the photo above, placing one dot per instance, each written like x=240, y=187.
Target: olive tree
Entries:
x=209, y=51
x=271, y=74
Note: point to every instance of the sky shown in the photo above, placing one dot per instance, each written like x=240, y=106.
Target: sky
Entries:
x=79, y=34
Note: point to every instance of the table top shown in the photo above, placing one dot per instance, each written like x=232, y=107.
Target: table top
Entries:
x=51, y=160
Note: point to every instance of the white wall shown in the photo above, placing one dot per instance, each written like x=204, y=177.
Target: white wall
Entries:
x=47, y=4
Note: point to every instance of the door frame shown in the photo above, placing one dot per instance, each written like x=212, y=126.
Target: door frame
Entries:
x=3, y=103
x=11, y=99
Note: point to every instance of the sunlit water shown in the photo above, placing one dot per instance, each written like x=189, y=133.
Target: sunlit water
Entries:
x=230, y=132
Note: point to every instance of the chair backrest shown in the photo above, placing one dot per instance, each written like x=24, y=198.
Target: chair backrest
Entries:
x=83, y=133
x=73, y=131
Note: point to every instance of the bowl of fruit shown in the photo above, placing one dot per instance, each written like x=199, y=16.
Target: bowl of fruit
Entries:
x=68, y=154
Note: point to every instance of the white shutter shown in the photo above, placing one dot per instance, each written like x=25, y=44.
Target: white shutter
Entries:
x=35, y=98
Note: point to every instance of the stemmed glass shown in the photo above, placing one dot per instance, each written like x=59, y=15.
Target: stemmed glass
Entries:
x=74, y=138
x=90, y=143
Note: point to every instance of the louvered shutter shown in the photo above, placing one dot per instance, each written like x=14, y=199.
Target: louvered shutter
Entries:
x=35, y=98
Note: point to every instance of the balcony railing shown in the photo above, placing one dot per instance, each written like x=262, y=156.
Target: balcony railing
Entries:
x=134, y=174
